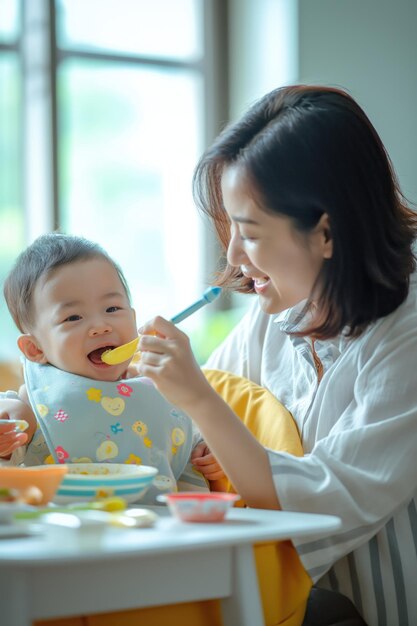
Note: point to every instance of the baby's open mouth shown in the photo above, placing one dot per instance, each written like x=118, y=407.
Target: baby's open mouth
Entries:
x=95, y=355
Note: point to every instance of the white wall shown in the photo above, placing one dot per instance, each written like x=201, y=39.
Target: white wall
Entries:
x=263, y=49
x=368, y=47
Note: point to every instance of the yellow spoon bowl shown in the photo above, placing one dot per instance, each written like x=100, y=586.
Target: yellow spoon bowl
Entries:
x=120, y=354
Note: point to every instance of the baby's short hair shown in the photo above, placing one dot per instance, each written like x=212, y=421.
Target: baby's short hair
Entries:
x=41, y=258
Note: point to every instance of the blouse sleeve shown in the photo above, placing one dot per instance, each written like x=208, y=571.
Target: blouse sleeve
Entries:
x=365, y=469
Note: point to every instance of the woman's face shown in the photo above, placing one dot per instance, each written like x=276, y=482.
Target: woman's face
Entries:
x=282, y=262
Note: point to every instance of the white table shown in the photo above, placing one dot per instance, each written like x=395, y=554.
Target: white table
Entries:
x=172, y=562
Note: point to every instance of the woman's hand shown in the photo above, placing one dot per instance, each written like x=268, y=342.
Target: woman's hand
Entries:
x=167, y=359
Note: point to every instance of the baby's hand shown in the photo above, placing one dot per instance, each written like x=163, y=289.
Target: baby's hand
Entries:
x=205, y=462
x=11, y=435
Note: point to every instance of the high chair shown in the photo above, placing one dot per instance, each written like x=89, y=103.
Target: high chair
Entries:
x=283, y=582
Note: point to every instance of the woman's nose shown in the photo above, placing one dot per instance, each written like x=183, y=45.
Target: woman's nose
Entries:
x=235, y=253
x=100, y=329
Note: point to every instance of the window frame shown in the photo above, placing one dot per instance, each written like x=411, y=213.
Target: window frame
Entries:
x=41, y=58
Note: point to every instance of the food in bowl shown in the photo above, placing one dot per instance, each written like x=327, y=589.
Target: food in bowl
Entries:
x=33, y=485
x=199, y=506
x=87, y=482
x=29, y=495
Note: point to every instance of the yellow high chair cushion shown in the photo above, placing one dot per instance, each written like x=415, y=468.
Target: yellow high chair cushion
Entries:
x=283, y=582
x=267, y=419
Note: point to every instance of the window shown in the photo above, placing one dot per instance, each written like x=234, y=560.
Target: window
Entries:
x=117, y=106
x=12, y=235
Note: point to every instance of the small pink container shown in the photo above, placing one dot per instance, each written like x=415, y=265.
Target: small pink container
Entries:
x=198, y=506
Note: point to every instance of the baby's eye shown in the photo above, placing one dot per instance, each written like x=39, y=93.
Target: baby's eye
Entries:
x=72, y=318
x=113, y=309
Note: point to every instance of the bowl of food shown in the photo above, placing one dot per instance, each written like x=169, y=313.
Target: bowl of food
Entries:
x=37, y=485
x=203, y=507
x=87, y=482
x=31, y=485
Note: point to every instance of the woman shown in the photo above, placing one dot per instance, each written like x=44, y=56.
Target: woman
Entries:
x=306, y=204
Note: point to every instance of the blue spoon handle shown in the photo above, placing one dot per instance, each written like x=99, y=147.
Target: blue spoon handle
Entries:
x=208, y=296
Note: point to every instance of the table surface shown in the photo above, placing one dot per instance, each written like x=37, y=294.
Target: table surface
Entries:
x=172, y=562
x=242, y=526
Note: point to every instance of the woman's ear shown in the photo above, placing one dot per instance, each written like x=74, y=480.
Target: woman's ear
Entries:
x=326, y=239
x=29, y=346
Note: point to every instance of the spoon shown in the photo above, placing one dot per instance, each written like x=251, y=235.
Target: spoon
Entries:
x=17, y=425
x=127, y=350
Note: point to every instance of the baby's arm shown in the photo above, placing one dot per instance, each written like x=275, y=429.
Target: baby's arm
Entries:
x=14, y=407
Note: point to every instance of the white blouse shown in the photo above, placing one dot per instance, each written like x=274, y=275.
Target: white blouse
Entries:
x=359, y=431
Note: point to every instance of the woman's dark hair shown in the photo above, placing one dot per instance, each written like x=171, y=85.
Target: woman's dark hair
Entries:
x=42, y=258
x=305, y=151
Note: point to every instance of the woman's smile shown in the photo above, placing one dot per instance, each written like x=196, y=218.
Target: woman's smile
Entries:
x=260, y=283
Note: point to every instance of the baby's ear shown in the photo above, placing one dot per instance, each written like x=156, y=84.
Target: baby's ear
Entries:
x=29, y=346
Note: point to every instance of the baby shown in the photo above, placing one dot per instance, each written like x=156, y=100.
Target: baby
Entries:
x=71, y=302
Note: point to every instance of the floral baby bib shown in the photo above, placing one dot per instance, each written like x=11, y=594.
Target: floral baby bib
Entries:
x=127, y=421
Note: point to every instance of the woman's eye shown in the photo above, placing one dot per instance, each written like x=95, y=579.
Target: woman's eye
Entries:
x=72, y=318
x=113, y=309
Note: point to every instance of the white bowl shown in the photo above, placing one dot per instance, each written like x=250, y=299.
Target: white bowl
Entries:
x=86, y=482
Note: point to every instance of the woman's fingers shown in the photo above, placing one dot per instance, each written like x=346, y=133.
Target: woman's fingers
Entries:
x=159, y=326
x=151, y=343
x=152, y=359
x=160, y=352
x=167, y=359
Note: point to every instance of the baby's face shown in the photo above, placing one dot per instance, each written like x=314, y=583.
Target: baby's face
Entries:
x=80, y=310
